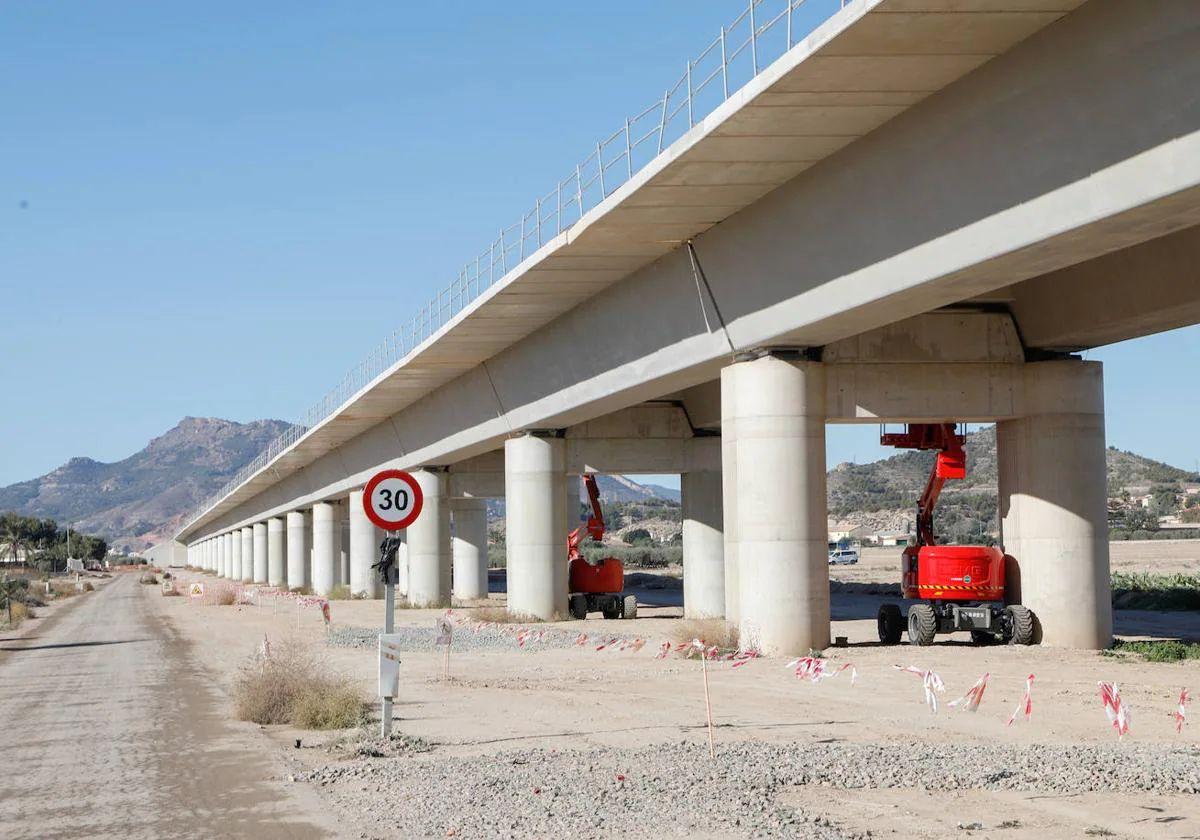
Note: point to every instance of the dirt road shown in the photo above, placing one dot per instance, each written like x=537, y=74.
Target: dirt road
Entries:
x=108, y=728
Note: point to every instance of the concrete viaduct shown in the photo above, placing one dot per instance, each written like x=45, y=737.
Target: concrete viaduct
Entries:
x=921, y=211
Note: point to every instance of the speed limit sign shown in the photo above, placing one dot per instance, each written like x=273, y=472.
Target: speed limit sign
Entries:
x=392, y=499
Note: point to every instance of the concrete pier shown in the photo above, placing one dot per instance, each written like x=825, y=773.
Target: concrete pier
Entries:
x=536, y=523
x=729, y=498
x=246, y=535
x=1053, y=491
x=258, y=570
x=276, y=559
x=297, y=549
x=429, y=562
x=470, y=548
x=783, y=575
x=703, y=542
x=223, y=552
x=235, y=557
x=364, y=549
x=324, y=549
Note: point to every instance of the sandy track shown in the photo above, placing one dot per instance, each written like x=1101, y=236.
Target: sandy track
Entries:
x=110, y=729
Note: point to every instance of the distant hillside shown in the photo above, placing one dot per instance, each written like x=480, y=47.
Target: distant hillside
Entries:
x=892, y=485
x=137, y=501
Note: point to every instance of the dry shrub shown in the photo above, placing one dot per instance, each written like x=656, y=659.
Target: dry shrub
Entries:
x=87, y=587
x=225, y=597
x=20, y=612
x=295, y=687
x=341, y=592
x=63, y=589
x=150, y=579
x=301, y=590
x=711, y=631
x=499, y=615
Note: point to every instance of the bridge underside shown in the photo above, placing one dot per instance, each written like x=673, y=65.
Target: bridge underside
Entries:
x=931, y=268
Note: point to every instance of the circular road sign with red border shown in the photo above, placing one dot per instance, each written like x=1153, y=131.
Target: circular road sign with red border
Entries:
x=392, y=499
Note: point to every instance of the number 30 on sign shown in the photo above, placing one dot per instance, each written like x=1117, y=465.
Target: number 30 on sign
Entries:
x=393, y=499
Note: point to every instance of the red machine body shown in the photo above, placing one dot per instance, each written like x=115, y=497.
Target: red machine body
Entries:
x=944, y=572
x=604, y=578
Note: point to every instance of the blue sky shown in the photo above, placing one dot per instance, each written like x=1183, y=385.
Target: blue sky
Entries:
x=195, y=197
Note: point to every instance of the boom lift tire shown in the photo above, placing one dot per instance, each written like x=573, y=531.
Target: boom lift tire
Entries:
x=1020, y=622
x=612, y=609
x=890, y=622
x=922, y=625
x=629, y=607
x=578, y=606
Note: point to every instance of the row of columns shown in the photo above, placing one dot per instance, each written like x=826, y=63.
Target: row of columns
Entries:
x=333, y=544
x=754, y=527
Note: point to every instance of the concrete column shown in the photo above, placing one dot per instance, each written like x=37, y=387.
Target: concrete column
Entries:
x=235, y=557
x=402, y=566
x=364, y=549
x=573, y=484
x=470, y=548
x=219, y=555
x=297, y=549
x=783, y=573
x=259, y=570
x=247, y=536
x=537, y=539
x=729, y=506
x=703, y=542
x=343, y=533
x=429, y=543
x=1053, y=492
x=324, y=549
x=276, y=540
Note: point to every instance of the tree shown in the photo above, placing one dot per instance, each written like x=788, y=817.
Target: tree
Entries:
x=1141, y=519
x=638, y=536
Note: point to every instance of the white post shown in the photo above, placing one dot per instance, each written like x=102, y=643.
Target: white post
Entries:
x=470, y=548
x=297, y=549
x=364, y=549
x=781, y=515
x=534, y=474
x=276, y=538
x=429, y=561
x=325, y=548
x=1053, y=505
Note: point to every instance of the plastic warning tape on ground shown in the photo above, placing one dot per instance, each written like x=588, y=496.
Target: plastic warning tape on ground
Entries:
x=970, y=701
x=1181, y=710
x=930, y=682
x=1118, y=711
x=1026, y=703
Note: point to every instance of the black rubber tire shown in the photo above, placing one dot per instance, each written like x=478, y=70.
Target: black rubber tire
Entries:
x=611, y=608
x=982, y=638
x=890, y=622
x=577, y=604
x=922, y=625
x=629, y=606
x=1020, y=619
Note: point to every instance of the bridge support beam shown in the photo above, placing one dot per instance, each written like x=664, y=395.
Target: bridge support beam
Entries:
x=429, y=562
x=276, y=541
x=1052, y=489
x=364, y=543
x=224, y=554
x=297, y=549
x=778, y=412
x=324, y=548
x=258, y=571
x=470, y=548
x=703, y=539
x=535, y=496
x=245, y=537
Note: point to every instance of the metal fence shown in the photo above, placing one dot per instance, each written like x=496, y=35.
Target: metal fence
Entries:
x=763, y=32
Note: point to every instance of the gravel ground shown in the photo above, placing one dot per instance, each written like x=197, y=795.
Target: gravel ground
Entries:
x=676, y=790
x=492, y=637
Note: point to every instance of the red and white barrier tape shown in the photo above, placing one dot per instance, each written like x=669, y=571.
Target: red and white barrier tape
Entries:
x=1026, y=703
x=814, y=669
x=1118, y=711
x=969, y=702
x=1181, y=711
x=930, y=681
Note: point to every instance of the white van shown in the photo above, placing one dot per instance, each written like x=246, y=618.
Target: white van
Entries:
x=843, y=557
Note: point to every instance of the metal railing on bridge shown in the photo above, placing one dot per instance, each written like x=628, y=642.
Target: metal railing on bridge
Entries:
x=763, y=32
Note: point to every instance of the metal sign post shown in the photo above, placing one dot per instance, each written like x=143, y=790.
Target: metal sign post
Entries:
x=392, y=500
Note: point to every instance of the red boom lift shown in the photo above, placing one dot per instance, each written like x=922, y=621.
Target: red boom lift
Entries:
x=595, y=586
x=962, y=586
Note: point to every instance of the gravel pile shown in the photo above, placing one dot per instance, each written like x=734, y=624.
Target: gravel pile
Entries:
x=675, y=790
x=465, y=638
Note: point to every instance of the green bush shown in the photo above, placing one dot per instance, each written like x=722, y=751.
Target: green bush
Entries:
x=1159, y=651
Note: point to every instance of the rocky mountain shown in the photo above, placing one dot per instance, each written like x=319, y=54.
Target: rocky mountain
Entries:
x=137, y=501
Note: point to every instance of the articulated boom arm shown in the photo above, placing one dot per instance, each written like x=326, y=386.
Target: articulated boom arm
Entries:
x=951, y=462
x=595, y=524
